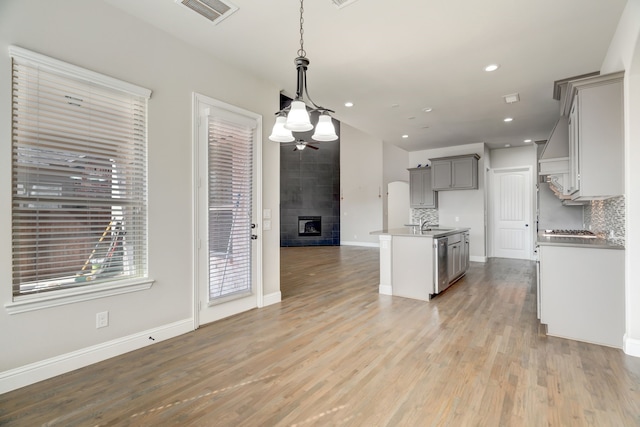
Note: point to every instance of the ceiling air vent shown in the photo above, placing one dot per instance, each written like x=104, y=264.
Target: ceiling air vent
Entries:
x=214, y=10
x=342, y=3
x=511, y=99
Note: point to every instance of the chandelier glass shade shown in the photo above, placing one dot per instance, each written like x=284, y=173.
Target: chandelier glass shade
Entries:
x=298, y=118
x=325, y=131
x=279, y=132
x=295, y=117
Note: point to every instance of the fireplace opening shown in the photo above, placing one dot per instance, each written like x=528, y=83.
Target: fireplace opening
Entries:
x=309, y=226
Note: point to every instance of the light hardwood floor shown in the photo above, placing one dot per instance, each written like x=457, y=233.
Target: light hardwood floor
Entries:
x=336, y=353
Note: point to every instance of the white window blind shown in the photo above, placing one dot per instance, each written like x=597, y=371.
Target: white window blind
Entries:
x=79, y=208
x=230, y=156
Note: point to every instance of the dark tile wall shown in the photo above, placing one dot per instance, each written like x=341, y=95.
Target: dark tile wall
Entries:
x=310, y=186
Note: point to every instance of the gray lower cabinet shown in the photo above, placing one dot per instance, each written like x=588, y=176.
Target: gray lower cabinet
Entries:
x=457, y=255
x=455, y=172
x=421, y=194
x=465, y=251
x=582, y=293
x=453, y=257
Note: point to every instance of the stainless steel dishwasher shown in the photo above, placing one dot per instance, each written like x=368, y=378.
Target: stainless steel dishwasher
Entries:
x=440, y=264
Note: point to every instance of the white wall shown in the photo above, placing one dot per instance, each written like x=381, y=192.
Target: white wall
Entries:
x=395, y=162
x=514, y=157
x=361, y=187
x=624, y=54
x=101, y=38
x=466, y=205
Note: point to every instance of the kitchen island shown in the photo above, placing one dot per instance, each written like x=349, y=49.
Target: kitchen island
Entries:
x=409, y=262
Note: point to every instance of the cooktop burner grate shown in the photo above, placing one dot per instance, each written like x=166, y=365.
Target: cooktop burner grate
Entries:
x=585, y=234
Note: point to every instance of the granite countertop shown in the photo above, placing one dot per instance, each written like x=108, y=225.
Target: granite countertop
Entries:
x=578, y=242
x=413, y=231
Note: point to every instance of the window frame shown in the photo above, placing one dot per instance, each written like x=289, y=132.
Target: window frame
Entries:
x=67, y=295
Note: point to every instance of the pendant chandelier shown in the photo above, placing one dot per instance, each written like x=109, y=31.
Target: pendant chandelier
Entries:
x=295, y=117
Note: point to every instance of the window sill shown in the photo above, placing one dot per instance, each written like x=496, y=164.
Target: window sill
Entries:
x=23, y=304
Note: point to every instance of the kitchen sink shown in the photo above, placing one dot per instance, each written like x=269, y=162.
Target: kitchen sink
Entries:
x=437, y=229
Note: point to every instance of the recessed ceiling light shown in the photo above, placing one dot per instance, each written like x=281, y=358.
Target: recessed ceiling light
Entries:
x=508, y=119
x=405, y=136
x=348, y=104
x=491, y=67
x=395, y=105
x=427, y=109
x=412, y=117
x=527, y=141
x=507, y=145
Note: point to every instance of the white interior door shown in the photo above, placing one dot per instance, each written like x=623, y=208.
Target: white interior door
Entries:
x=512, y=214
x=227, y=253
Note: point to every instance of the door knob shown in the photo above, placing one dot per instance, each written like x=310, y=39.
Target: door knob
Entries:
x=254, y=237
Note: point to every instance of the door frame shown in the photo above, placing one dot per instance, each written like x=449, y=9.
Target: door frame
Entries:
x=197, y=101
x=532, y=208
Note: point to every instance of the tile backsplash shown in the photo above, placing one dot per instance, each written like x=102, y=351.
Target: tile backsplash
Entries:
x=419, y=215
x=607, y=217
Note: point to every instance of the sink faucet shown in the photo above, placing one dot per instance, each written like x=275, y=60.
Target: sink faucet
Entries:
x=423, y=224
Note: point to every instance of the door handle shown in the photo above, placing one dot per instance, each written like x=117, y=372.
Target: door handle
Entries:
x=254, y=237
x=526, y=225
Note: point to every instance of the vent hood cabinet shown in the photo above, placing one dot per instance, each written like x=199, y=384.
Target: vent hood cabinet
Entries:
x=557, y=145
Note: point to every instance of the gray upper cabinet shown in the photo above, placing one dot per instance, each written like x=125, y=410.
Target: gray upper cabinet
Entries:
x=455, y=172
x=421, y=192
x=596, y=137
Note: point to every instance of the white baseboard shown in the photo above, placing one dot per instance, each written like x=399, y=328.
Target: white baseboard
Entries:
x=365, y=244
x=272, y=298
x=631, y=346
x=385, y=290
x=478, y=258
x=49, y=368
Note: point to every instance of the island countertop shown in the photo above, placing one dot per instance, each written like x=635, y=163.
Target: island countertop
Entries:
x=411, y=231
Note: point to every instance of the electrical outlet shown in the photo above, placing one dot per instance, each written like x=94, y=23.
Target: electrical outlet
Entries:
x=102, y=319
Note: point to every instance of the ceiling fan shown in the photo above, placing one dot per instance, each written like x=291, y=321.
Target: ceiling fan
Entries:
x=301, y=145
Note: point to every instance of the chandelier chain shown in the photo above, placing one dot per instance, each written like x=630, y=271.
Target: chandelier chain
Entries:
x=301, y=51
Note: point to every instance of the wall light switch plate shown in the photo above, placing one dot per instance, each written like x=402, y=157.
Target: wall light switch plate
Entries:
x=266, y=214
x=266, y=224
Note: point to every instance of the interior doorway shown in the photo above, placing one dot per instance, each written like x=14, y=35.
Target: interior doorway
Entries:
x=511, y=213
x=398, y=211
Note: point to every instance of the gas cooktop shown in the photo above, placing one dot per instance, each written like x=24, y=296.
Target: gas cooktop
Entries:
x=584, y=234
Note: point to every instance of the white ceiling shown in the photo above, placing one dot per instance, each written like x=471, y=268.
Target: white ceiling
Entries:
x=415, y=54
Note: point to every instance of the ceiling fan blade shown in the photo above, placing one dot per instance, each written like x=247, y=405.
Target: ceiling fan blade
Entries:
x=311, y=146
